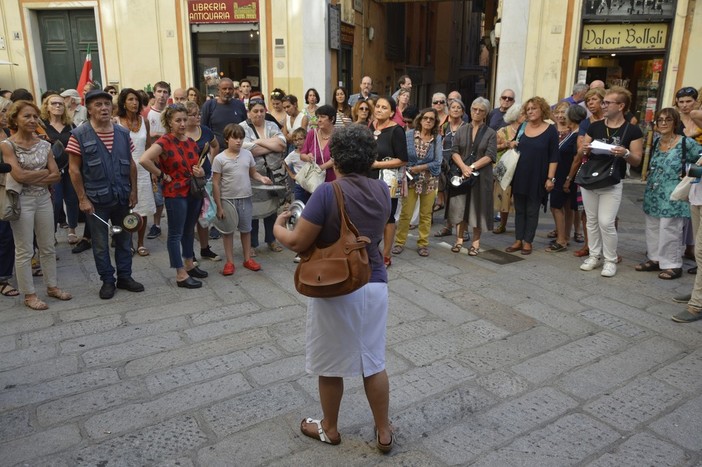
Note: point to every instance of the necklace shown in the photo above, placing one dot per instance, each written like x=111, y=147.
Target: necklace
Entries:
x=379, y=130
x=668, y=144
x=323, y=136
x=133, y=125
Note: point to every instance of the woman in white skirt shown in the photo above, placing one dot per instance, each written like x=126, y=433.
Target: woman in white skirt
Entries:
x=346, y=334
x=129, y=116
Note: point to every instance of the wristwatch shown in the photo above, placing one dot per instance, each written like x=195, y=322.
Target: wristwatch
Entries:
x=472, y=167
x=627, y=154
x=553, y=180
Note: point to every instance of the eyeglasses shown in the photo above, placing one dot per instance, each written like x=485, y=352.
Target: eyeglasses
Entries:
x=364, y=109
x=57, y=104
x=477, y=110
x=428, y=118
x=664, y=121
x=687, y=92
x=438, y=102
x=604, y=103
x=114, y=93
x=507, y=98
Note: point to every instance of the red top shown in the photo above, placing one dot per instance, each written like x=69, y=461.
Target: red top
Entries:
x=177, y=159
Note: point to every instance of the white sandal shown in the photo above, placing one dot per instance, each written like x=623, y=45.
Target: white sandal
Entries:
x=320, y=435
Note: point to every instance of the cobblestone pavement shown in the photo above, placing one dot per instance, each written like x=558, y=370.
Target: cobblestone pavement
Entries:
x=532, y=362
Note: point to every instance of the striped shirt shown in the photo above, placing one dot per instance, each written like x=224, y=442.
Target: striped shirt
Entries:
x=107, y=138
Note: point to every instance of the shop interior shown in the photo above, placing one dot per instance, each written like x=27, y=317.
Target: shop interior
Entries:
x=639, y=73
x=234, y=54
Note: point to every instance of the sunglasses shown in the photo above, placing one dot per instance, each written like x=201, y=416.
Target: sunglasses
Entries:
x=687, y=92
x=365, y=109
x=114, y=93
x=507, y=98
x=439, y=102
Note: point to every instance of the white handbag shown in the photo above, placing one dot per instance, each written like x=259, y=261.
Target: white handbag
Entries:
x=310, y=176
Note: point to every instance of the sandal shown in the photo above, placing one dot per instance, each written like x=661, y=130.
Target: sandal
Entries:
x=670, y=274
x=397, y=249
x=444, y=232
x=7, y=290
x=35, y=304
x=59, y=294
x=437, y=207
x=320, y=434
x=579, y=238
x=499, y=229
x=72, y=239
x=585, y=251
x=552, y=234
x=384, y=448
x=648, y=266
x=143, y=251
x=456, y=248
x=473, y=251
x=423, y=251
x=555, y=247
x=274, y=247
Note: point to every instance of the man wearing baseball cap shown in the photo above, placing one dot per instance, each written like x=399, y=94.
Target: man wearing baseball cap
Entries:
x=104, y=176
x=78, y=112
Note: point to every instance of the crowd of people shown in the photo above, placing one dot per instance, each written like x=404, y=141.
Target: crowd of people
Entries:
x=220, y=165
x=421, y=154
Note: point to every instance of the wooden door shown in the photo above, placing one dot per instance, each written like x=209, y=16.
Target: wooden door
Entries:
x=65, y=36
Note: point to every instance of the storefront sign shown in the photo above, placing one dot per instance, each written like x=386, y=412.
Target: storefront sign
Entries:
x=347, y=32
x=642, y=36
x=230, y=11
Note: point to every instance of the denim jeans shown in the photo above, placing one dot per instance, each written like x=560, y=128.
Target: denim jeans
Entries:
x=7, y=251
x=299, y=193
x=182, y=215
x=101, y=243
x=268, y=224
x=64, y=191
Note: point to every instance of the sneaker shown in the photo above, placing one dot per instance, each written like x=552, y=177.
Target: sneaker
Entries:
x=252, y=265
x=609, y=269
x=107, y=291
x=154, y=231
x=228, y=269
x=214, y=234
x=590, y=264
x=81, y=246
x=682, y=298
x=209, y=254
x=688, y=316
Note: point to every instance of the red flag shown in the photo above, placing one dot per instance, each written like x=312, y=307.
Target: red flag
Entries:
x=86, y=75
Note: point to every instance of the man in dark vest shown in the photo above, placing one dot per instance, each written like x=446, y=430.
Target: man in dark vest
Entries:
x=104, y=176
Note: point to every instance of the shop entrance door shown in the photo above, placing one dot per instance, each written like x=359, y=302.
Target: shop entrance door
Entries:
x=65, y=36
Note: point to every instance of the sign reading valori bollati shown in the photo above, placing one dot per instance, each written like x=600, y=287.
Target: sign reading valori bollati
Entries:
x=639, y=36
x=229, y=11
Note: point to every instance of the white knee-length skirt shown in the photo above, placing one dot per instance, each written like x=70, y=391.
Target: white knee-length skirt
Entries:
x=346, y=335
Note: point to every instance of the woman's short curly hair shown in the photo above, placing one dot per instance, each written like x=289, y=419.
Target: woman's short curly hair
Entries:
x=541, y=103
x=168, y=113
x=512, y=114
x=353, y=149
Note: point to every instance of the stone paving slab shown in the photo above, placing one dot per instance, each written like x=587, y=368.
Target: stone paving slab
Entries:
x=529, y=363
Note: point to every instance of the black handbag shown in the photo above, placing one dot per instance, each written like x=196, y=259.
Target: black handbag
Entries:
x=600, y=171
